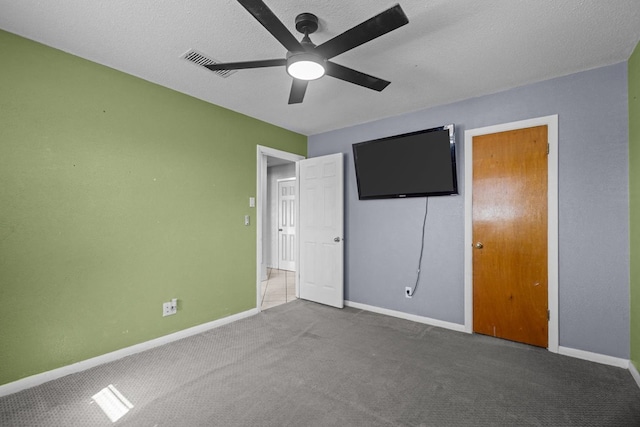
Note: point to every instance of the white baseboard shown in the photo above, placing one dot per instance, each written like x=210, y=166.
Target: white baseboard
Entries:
x=44, y=377
x=572, y=352
x=634, y=373
x=594, y=357
x=413, y=317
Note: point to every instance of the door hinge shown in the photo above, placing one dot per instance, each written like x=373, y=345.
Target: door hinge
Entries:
x=548, y=314
x=548, y=148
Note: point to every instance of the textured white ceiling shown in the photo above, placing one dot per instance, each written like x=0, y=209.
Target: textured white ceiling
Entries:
x=450, y=50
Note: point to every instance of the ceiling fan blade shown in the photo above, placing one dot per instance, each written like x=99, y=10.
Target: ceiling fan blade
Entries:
x=298, y=89
x=355, y=77
x=266, y=17
x=370, y=29
x=247, y=64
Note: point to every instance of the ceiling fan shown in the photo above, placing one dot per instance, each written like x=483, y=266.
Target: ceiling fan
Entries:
x=304, y=60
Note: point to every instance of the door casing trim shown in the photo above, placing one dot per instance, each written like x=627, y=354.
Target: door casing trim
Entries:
x=552, y=217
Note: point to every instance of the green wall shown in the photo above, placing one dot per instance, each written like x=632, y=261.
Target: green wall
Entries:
x=116, y=195
x=634, y=202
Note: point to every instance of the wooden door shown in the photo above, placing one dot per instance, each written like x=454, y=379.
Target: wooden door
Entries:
x=287, y=225
x=321, y=247
x=509, y=210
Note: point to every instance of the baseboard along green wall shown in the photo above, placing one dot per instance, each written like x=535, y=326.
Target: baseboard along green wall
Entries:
x=116, y=195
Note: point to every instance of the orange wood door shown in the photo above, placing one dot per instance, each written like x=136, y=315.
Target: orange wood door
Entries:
x=509, y=211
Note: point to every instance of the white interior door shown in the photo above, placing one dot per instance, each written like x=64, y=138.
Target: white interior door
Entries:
x=287, y=224
x=321, y=228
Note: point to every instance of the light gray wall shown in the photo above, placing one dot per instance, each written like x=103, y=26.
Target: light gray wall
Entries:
x=275, y=173
x=382, y=237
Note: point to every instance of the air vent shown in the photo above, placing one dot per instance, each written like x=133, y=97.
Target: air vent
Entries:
x=202, y=60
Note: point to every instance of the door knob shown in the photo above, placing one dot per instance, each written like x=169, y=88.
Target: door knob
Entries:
x=337, y=239
x=479, y=245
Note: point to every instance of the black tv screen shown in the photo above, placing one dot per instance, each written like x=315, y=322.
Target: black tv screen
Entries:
x=415, y=164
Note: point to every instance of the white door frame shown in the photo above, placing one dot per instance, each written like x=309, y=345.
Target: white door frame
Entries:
x=261, y=188
x=552, y=214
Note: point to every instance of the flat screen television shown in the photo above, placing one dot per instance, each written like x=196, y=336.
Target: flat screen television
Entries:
x=415, y=164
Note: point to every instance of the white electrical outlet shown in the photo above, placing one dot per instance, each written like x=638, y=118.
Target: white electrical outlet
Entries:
x=169, y=308
x=166, y=309
x=408, y=292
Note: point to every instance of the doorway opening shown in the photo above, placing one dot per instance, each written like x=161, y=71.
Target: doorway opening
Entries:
x=280, y=248
x=276, y=283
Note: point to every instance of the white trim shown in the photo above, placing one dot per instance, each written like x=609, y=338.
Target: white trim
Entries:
x=552, y=218
x=412, y=317
x=594, y=357
x=54, y=374
x=297, y=207
x=634, y=373
x=565, y=351
x=261, y=188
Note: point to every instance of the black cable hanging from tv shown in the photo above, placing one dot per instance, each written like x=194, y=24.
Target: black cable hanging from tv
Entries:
x=424, y=224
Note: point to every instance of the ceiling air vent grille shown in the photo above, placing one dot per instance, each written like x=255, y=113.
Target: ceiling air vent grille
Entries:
x=202, y=60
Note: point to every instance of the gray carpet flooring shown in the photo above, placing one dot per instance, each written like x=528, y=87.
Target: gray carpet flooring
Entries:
x=304, y=364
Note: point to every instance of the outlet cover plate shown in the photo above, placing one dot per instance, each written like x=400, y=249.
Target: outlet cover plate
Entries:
x=167, y=309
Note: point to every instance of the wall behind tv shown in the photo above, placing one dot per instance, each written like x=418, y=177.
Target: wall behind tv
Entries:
x=116, y=195
x=382, y=237
x=634, y=194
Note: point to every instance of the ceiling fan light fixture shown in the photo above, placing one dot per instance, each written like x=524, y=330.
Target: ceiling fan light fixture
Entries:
x=305, y=66
x=305, y=61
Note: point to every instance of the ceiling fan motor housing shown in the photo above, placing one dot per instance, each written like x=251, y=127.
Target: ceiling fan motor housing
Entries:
x=306, y=23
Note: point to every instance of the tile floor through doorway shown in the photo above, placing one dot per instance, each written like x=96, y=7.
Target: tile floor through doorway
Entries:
x=280, y=287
